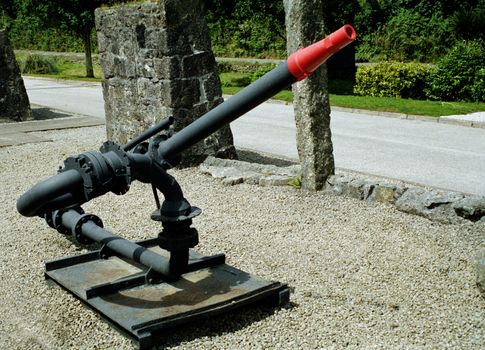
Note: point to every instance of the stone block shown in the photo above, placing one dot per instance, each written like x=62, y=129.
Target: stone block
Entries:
x=470, y=208
x=157, y=60
x=251, y=173
x=198, y=64
x=274, y=180
x=211, y=86
x=145, y=68
x=231, y=181
x=167, y=67
x=14, y=102
x=182, y=93
x=431, y=204
x=171, y=41
x=336, y=184
x=386, y=193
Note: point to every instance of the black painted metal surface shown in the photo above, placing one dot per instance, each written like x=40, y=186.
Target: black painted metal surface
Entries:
x=130, y=297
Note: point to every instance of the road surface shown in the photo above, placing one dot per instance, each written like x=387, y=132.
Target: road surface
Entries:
x=438, y=155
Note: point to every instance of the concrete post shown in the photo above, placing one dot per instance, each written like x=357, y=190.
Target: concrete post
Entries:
x=304, y=25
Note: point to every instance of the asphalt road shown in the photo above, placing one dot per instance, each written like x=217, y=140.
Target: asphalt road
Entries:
x=438, y=155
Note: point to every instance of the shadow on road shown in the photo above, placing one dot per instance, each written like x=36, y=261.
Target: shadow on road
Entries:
x=44, y=113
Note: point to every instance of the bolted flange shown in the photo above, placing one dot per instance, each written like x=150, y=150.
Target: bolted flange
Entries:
x=178, y=235
x=54, y=219
x=77, y=230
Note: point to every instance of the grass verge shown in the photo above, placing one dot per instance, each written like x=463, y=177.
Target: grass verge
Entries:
x=342, y=98
x=68, y=68
x=406, y=106
x=72, y=68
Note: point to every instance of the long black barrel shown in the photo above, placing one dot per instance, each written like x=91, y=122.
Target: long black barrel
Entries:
x=299, y=65
x=245, y=100
x=163, y=125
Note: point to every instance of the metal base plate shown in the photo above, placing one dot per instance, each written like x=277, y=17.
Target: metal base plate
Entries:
x=119, y=290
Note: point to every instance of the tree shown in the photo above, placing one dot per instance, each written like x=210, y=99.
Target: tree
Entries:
x=468, y=23
x=246, y=27
x=76, y=16
x=338, y=13
x=7, y=7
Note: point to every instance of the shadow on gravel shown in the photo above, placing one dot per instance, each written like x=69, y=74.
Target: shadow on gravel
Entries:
x=216, y=325
x=254, y=157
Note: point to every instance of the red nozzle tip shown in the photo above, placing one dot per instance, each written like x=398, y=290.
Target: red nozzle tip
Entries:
x=305, y=61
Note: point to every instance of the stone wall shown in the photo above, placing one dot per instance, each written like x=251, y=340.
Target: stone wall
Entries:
x=14, y=103
x=157, y=62
x=436, y=205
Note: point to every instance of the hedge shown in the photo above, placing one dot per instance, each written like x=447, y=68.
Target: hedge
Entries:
x=392, y=79
x=460, y=75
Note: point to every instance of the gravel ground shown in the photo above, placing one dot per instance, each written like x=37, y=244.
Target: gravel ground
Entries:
x=363, y=275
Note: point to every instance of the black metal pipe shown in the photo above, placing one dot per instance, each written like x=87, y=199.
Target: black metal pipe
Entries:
x=63, y=201
x=163, y=125
x=30, y=203
x=119, y=245
x=146, y=170
x=242, y=102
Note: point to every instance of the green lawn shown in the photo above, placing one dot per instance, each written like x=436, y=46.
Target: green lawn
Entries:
x=231, y=86
x=69, y=68
x=72, y=68
x=406, y=106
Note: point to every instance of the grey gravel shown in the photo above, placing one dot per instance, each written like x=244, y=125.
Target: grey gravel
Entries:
x=363, y=275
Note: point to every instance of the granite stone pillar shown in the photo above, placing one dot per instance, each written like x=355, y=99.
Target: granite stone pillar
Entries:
x=14, y=102
x=157, y=62
x=304, y=26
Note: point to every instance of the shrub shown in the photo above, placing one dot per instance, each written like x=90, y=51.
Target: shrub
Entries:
x=459, y=75
x=238, y=67
x=262, y=70
x=392, y=79
x=469, y=23
x=39, y=65
x=407, y=36
x=235, y=79
x=478, y=87
x=26, y=32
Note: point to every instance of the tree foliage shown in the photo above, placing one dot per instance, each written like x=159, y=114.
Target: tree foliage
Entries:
x=405, y=30
x=460, y=75
x=76, y=16
x=257, y=27
x=421, y=30
x=64, y=17
x=246, y=27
